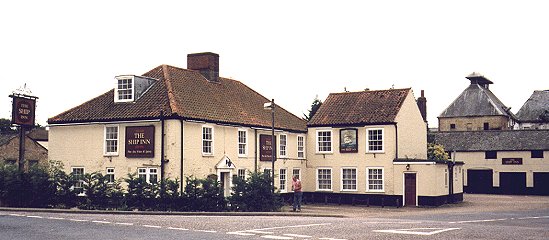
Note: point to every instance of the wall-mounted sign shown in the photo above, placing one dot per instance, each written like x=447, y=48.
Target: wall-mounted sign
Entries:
x=23, y=111
x=511, y=161
x=140, y=142
x=266, y=147
x=348, y=140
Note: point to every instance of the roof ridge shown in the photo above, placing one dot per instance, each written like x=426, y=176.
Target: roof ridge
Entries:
x=379, y=90
x=169, y=89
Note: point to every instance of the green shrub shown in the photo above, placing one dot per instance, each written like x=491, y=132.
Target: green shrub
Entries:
x=254, y=194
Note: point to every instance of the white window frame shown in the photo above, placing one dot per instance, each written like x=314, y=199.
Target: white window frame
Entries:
x=283, y=181
x=108, y=172
x=105, y=148
x=368, y=179
x=298, y=172
x=301, y=149
x=241, y=173
x=203, y=140
x=331, y=141
x=283, y=148
x=368, y=140
x=148, y=173
x=318, y=179
x=132, y=89
x=243, y=144
x=355, y=179
x=80, y=183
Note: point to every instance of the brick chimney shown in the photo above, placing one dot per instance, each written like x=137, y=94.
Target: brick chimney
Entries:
x=422, y=105
x=206, y=63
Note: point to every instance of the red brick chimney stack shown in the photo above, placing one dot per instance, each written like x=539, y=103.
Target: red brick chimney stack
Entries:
x=207, y=63
x=422, y=105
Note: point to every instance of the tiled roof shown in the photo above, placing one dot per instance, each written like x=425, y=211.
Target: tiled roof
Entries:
x=536, y=108
x=508, y=140
x=476, y=100
x=186, y=94
x=360, y=108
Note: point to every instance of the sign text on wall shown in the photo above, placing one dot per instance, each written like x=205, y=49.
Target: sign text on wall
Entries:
x=140, y=142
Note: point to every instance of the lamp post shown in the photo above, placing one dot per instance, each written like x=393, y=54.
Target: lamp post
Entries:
x=271, y=106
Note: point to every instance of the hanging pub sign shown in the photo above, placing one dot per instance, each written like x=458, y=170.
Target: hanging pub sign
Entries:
x=23, y=111
x=140, y=142
x=348, y=140
x=266, y=147
x=511, y=161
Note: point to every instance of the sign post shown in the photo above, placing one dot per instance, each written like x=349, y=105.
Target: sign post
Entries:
x=23, y=115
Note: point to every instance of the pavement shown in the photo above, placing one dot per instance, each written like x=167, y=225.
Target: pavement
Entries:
x=473, y=203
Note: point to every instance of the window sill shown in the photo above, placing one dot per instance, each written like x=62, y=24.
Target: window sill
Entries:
x=207, y=155
x=349, y=190
x=375, y=191
x=325, y=190
x=110, y=154
x=326, y=153
x=376, y=152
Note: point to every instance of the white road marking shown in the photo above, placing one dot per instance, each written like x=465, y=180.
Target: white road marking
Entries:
x=241, y=233
x=260, y=232
x=175, y=228
x=276, y=237
x=485, y=220
x=533, y=217
x=293, y=226
x=105, y=222
x=414, y=231
x=122, y=223
x=207, y=231
x=35, y=217
x=392, y=222
x=152, y=226
x=297, y=235
x=78, y=220
x=16, y=215
x=56, y=218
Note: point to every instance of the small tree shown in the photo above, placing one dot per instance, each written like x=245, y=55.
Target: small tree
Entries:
x=312, y=111
x=5, y=126
x=436, y=152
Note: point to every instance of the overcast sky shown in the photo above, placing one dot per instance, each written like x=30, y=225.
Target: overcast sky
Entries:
x=68, y=52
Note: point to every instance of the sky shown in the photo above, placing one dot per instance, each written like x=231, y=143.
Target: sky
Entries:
x=68, y=52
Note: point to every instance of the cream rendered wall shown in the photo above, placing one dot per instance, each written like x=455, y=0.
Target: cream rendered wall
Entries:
x=412, y=130
x=360, y=160
x=225, y=143
x=83, y=146
x=476, y=160
x=429, y=179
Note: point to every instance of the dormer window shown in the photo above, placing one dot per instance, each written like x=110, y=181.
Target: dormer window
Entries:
x=124, y=91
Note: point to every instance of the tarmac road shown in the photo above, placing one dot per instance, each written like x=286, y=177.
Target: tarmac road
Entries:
x=480, y=217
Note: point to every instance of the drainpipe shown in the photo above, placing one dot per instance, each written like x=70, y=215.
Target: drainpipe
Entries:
x=396, y=141
x=255, y=151
x=181, y=169
x=162, y=152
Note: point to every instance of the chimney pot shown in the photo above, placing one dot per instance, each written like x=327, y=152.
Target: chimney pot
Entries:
x=207, y=63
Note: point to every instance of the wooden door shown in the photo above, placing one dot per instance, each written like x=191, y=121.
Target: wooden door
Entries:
x=410, y=189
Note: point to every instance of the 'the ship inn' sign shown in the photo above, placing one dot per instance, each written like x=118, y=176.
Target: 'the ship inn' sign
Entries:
x=140, y=142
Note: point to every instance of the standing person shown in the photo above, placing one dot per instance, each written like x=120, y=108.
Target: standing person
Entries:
x=298, y=194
